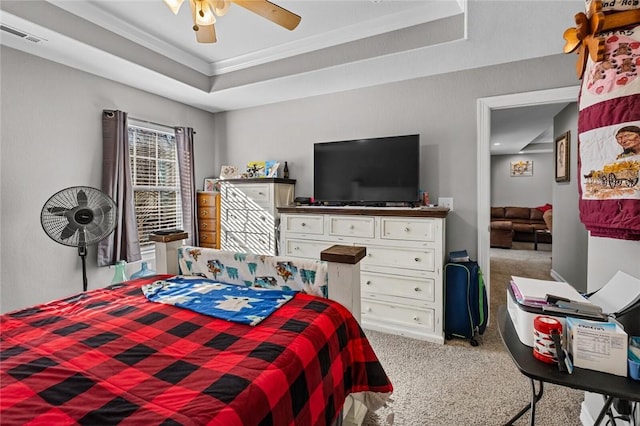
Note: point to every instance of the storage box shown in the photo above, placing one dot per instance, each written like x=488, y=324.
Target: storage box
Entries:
x=600, y=346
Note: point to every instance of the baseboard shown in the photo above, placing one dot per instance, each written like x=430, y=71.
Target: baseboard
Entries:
x=556, y=276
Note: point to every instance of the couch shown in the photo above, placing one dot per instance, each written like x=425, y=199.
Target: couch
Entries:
x=510, y=224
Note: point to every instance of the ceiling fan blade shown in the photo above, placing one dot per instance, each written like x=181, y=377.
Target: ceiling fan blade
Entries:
x=272, y=12
x=82, y=198
x=68, y=231
x=174, y=5
x=206, y=34
x=58, y=211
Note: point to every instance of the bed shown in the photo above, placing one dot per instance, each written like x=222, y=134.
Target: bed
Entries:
x=111, y=356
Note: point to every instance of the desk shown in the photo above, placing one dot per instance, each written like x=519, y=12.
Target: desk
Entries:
x=588, y=380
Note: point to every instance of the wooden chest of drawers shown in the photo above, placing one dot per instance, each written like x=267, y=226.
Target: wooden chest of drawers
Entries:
x=209, y=219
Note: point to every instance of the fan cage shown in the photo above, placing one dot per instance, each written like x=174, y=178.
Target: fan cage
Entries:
x=102, y=224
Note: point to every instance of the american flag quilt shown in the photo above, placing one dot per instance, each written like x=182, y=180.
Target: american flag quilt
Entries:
x=110, y=356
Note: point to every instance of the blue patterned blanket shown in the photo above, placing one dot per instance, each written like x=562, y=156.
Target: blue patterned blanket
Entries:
x=245, y=305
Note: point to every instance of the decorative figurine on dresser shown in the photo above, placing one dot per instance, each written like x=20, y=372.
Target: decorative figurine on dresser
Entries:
x=249, y=215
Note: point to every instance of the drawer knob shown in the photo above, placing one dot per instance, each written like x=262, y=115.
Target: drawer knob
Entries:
x=415, y=318
x=296, y=248
x=260, y=193
x=406, y=229
x=351, y=226
x=263, y=218
x=303, y=224
x=368, y=309
x=369, y=255
x=368, y=283
x=204, y=213
x=417, y=289
x=417, y=259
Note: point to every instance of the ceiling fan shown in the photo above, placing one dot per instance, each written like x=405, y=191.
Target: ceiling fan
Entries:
x=204, y=14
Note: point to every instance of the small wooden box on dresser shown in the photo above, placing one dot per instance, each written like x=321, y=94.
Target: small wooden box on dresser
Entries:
x=208, y=219
x=249, y=215
x=402, y=272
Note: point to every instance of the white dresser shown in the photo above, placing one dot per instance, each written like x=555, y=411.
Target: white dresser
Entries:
x=249, y=213
x=402, y=272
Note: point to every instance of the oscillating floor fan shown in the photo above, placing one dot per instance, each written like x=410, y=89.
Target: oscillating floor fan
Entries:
x=79, y=216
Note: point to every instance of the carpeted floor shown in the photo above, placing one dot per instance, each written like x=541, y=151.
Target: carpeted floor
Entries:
x=458, y=384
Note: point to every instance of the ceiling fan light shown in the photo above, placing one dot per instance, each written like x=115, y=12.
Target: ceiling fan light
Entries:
x=202, y=13
x=174, y=5
x=220, y=7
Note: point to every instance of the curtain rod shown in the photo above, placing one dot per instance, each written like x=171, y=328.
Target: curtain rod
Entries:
x=155, y=124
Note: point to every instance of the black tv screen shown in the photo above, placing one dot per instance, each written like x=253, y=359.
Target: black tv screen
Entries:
x=367, y=171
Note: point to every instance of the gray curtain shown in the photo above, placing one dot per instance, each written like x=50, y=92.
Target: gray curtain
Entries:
x=123, y=243
x=184, y=142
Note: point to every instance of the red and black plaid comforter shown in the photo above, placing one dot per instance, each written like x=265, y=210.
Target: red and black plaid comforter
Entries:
x=109, y=356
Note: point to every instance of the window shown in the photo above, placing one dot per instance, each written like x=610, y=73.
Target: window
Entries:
x=155, y=180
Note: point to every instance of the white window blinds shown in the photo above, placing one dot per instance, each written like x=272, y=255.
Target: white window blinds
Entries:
x=156, y=185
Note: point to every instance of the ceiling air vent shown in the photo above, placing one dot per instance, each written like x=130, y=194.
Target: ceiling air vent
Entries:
x=21, y=34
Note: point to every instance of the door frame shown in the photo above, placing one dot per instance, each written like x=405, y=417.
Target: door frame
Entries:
x=483, y=183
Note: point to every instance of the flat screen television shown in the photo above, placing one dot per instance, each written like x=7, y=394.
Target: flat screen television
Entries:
x=371, y=171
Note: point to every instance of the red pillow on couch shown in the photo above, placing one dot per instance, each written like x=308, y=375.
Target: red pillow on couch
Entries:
x=545, y=207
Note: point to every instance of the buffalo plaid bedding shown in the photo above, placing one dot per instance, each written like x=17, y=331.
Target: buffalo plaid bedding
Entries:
x=109, y=356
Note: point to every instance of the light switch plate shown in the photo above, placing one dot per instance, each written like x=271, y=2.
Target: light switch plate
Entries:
x=445, y=202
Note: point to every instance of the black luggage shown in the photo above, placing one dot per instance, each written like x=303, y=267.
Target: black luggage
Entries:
x=465, y=301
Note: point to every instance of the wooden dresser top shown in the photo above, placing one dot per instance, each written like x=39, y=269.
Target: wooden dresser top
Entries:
x=439, y=212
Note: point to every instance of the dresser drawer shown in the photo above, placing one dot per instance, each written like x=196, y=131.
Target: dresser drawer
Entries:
x=408, y=229
x=304, y=248
x=301, y=224
x=258, y=193
x=259, y=221
x=373, y=310
x=352, y=226
x=258, y=242
x=421, y=260
x=207, y=213
x=413, y=288
x=207, y=225
x=207, y=199
x=207, y=237
x=234, y=219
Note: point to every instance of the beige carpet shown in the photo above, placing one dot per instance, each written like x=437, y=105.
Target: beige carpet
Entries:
x=457, y=384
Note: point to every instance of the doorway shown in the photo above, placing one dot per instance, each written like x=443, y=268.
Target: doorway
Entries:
x=483, y=186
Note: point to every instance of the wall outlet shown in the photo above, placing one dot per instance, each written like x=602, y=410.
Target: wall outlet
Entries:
x=445, y=202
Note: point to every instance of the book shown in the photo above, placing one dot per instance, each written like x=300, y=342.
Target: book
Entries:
x=459, y=256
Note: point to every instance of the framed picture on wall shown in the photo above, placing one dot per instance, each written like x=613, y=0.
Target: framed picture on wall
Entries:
x=562, y=157
x=521, y=168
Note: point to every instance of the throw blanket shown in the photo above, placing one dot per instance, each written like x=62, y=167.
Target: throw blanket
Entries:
x=245, y=305
x=609, y=124
x=108, y=356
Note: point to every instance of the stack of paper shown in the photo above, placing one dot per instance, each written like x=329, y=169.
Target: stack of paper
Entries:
x=621, y=292
x=534, y=291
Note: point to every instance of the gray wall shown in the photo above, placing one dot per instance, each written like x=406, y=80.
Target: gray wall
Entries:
x=51, y=133
x=570, y=238
x=525, y=191
x=442, y=109
x=51, y=139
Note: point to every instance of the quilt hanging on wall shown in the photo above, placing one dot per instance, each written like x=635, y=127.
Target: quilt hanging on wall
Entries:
x=609, y=119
